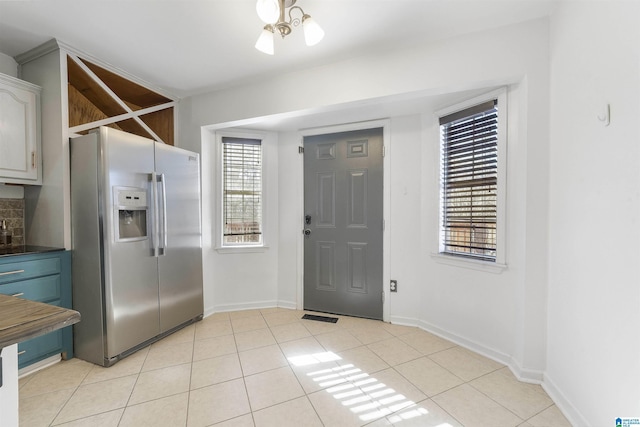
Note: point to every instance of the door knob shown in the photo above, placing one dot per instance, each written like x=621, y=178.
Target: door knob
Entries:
x=307, y=232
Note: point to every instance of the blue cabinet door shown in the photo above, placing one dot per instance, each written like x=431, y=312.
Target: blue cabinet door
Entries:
x=45, y=278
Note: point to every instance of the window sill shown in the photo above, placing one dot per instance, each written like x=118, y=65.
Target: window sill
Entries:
x=241, y=249
x=487, y=266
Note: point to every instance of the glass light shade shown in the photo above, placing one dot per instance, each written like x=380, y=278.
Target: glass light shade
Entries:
x=265, y=42
x=268, y=10
x=312, y=31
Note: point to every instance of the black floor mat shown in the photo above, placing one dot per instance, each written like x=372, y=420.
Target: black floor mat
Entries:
x=320, y=318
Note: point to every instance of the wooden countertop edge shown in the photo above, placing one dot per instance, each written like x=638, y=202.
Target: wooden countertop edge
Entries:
x=22, y=319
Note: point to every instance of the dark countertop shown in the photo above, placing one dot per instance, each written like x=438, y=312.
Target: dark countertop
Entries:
x=21, y=319
x=27, y=249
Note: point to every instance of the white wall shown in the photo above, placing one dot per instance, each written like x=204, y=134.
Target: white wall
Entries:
x=566, y=310
x=502, y=315
x=239, y=279
x=406, y=220
x=48, y=207
x=513, y=52
x=498, y=313
x=8, y=65
x=290, y=203
x=593, y=361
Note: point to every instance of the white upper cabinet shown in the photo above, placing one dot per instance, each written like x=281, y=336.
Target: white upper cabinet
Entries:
x=20, y=153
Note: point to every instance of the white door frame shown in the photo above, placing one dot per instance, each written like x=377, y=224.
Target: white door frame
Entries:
x=386, y=244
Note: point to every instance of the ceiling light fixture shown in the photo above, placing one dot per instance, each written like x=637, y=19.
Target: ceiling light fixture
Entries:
x=272, y=13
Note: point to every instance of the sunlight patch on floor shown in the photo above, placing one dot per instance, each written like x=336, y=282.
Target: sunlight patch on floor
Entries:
x=364, y=395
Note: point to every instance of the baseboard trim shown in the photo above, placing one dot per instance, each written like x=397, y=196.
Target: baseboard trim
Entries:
x=532, y=376
x=564, y=405
x=485, y=351
x=404, y=321
x=524, y=375
x=291, y=305
x=244, y=306
x=38, y=366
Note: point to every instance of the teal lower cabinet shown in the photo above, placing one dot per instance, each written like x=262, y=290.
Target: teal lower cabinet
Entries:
x=43, y=277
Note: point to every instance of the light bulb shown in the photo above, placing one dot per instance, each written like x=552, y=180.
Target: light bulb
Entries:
x=265, y=41
x=268, y=10
x=312, y=31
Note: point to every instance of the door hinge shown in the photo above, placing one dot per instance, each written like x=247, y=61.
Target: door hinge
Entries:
x=384, y=151
x=383, y=297
x=301, y=150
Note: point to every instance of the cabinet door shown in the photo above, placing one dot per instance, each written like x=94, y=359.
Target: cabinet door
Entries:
x=39, y=348
x=44, y=278
x=19, y=155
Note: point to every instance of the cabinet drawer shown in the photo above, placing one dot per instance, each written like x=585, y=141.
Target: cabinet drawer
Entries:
x=42, y=289
x=14, y=271
x=39, y=348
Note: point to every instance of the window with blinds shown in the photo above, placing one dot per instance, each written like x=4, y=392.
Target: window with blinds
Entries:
x=469, y=179
x=241, y=191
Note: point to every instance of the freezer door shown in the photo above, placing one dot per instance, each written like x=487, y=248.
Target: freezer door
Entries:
x=180, y=255
x=131, y=273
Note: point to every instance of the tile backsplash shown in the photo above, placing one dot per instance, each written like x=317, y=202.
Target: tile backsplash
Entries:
x=12, y=210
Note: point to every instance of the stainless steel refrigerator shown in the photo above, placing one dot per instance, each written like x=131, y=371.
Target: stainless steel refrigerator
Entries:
x=137, y=264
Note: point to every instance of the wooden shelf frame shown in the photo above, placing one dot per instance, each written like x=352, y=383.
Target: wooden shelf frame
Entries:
x=130, y=113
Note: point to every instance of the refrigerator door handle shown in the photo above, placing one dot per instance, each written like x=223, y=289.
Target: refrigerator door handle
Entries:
x=163, y=241
x=154, y=215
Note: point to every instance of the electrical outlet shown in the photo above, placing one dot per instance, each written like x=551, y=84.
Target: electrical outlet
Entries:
x=393, y=286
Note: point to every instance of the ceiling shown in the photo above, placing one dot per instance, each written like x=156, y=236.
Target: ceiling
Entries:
x=186, y=47
x=192, y=46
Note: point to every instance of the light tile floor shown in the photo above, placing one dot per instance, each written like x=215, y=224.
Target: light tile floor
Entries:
x=271, y=368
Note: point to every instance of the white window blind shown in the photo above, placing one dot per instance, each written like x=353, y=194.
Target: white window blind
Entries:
x=469, y=176
x=242, y=191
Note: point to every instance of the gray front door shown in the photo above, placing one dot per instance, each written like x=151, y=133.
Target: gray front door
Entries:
x=343, y=205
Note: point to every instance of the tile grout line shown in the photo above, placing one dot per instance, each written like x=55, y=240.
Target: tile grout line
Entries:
x=134, y=385
x=465, y=382
x=427, y=356
x=244, y=381
x=366, y=346
x=306, y=395
x=193, y=353
x=69, y=398
x=500, y=404
x=430, y=398
x=351, y=326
